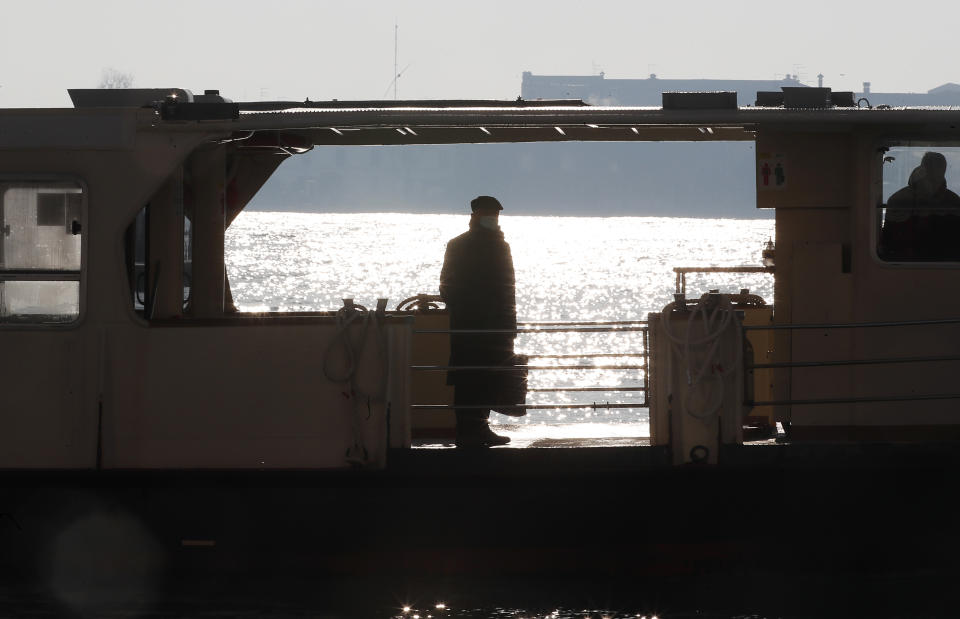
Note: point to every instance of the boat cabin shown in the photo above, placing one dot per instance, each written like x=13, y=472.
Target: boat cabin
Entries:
x=122, y=348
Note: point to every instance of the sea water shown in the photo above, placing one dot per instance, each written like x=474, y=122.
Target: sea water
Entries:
x=567, y=269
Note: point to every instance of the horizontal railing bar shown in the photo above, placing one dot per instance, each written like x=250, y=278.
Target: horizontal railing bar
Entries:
x=853, y=325
x=740, y=269
x=582, y=323
x=515, y=368
x=544, y=389
x=587, y=355
x=38, y=275
x=813, y=364
x=521, y=331
x=889, y=398
x=594, y=406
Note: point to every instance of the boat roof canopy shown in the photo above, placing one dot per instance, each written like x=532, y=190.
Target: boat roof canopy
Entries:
x=297, y=126
x=444, y=125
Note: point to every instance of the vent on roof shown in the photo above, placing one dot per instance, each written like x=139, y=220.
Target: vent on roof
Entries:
x=125, y=97
x=769, y=98
x=718, y=100
x=843, y=99
x=804, y=97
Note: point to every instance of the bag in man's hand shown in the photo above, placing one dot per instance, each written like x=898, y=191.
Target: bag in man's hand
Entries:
x=509, y=388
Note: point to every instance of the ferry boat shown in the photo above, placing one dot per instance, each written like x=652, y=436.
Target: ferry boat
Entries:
x=157, y=428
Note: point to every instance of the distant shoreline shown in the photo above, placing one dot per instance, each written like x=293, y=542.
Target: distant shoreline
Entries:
x=761, y=215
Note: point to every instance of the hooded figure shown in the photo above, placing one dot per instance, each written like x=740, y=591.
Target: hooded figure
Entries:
x=477, y=284
x=922, y=218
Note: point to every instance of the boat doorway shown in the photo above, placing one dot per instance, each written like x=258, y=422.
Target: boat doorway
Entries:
x=595, y=229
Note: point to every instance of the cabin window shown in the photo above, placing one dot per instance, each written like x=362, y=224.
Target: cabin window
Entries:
x=137, y=250
x=40, y=252
x=919, y=217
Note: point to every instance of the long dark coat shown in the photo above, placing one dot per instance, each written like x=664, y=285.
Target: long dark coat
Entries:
x=478, y=285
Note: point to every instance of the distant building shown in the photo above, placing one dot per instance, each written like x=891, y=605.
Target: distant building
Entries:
x=599, y=90
x=946, y=95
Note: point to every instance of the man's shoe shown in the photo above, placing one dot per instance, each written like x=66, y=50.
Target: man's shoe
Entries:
x=481, y=437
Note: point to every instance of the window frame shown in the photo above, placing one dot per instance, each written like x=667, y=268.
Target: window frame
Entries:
x=877, y=206
x=79, y=276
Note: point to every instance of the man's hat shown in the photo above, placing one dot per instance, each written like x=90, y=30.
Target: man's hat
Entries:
x=485, y=203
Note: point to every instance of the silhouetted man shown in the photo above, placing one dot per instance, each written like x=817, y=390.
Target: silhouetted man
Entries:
x=477, y=284
x=923, y=219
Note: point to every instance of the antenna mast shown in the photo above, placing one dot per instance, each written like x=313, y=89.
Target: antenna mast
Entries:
x=395, y=75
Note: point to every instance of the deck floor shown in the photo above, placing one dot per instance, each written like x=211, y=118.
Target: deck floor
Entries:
x=566, y=436
x=572, y=435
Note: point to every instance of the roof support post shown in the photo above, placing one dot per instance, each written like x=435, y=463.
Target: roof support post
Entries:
x=165, y=285
x=208, y=173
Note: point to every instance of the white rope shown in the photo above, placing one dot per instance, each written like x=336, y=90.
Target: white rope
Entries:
x=717, y=316
x=352, y=354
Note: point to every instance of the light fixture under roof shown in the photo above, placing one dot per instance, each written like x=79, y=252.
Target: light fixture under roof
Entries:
x=560, y=131
x=485, y=130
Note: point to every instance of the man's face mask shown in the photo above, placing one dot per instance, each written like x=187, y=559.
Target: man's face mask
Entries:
x=926, y=183
x=488, y=221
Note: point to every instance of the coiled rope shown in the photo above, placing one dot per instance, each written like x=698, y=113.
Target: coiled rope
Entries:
x=717, y=314
x=352, y=354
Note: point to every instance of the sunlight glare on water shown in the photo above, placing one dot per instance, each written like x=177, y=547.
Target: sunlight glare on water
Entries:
x=568, y=269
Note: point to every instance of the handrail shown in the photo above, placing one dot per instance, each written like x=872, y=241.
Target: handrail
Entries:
x=853, y=325
x=558, y=327
x=814, y=364
x=594, y=355
x=521, y=368
x=582, y=323
x=39, y=275
x=594, y=406
x=682, y=273
x=518, y=331
x=556, y=389
x=885, y=398
x=748, y=366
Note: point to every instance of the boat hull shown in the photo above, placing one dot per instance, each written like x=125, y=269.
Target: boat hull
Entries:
x=795, y=515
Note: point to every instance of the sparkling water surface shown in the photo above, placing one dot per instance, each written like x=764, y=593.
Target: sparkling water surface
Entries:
x=567, y=268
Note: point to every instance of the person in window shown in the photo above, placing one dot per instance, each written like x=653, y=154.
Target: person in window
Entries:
x=478, y=285
x=923, y=219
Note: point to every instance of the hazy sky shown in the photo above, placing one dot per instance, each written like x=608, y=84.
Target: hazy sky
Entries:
x=286, y=49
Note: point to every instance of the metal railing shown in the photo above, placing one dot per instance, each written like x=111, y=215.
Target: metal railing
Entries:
x=749, y=365
x=682, y=273
x=544, y=328
x=39, y=275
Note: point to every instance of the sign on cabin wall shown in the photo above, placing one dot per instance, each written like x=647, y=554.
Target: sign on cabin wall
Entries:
x=771, y=171
x=805, y=170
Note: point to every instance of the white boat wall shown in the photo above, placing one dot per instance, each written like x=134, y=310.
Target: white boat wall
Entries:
x=112, y=387
x=98, y=373
x=829, y=272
